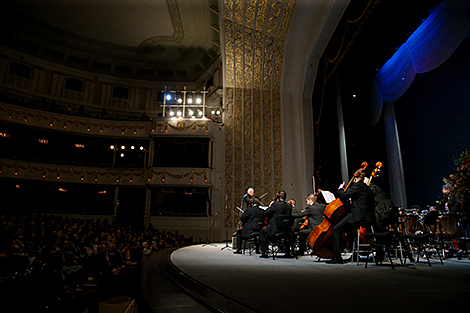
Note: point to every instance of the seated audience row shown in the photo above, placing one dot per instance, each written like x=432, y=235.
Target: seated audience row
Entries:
x=75, y=260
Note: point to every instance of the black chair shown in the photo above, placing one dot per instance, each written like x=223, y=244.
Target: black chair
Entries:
x=283, y=239
x=388, y=243
x=257, y=225
x=426, y=241
x=361, y=247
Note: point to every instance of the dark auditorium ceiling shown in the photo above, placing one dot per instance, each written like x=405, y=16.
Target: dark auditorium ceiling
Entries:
x=146, y=39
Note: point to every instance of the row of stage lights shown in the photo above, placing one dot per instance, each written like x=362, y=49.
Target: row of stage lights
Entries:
x=191, y=113
x=178, y=104
x=169, y=97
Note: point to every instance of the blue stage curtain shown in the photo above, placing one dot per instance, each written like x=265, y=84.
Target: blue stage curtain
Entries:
x=428, y=47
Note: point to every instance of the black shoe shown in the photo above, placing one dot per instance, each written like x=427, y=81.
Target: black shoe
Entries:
x=238, y=252
x=264, y=256
x=335, y=260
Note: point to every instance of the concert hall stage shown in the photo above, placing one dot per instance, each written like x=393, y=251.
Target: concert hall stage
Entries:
x=225, y=282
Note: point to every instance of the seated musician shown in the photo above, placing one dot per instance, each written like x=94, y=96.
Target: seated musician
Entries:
x=292, y=202
x=308, y=218
x=250, y=193
x=362, y=210
x=278, y=206
x=253, y=211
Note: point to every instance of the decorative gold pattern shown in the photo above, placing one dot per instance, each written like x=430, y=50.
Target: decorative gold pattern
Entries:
x=181, y=125
x=97, y=127
x=136, y=177
x=254, y=43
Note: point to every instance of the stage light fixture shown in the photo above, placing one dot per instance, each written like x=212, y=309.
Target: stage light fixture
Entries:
x=111, y=147
x=198, y=100
x=168, y=97
x=122, y=155
x=190, y=100
x=132, y=147
x=178, y=113
x=123, y=147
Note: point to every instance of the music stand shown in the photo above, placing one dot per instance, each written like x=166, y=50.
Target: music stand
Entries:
x=226, y=230
x=209, y=231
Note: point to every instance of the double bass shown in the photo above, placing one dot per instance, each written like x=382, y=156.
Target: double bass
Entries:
x=375, y=172
x=321, y=237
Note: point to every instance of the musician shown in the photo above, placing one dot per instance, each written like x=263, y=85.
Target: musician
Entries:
x=278, y=206
x=383, y=204
x=362, y=210
x=253, y=211
x=250, y=193
x=308, y=218
x=451, y=205
x=292, y=202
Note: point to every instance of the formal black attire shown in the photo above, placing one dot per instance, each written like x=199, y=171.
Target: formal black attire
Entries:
x=272, y=213
x=362, y=211
x=247, y=222
x=245, y=201
x=383, y=204
x=314, y=215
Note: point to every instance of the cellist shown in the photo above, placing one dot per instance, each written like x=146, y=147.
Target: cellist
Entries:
x=362, y=210
x=310, y=217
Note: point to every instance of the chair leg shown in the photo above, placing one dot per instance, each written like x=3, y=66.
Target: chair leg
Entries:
x=358, y=245
x=391, y=261
x=368, y=253
x=427, y=256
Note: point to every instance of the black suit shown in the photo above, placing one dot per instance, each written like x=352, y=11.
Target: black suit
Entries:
x=314, y=214
x=245, y=201
x=383, y=204
x=362, y=211
x=272, y=213
x=247, y=222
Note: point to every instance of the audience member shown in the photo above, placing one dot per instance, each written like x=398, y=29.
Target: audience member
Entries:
x=50, y=254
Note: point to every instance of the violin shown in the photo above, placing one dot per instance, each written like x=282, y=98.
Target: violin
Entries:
x=321, y=237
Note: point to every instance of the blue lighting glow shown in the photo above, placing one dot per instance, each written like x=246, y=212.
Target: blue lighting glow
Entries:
x=429, y=46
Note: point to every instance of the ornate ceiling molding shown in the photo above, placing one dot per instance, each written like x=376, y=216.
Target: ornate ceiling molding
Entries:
x=177, y=26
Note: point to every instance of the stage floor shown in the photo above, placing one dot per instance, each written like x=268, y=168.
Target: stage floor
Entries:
x=228, y=282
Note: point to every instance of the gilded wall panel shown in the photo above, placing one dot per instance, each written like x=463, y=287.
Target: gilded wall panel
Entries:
x=254, y=38
x=262, y=15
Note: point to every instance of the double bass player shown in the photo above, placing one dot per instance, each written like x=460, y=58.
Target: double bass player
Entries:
x=362, y=210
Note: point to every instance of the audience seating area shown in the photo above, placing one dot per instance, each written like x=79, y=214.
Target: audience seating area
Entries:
x=52, y=263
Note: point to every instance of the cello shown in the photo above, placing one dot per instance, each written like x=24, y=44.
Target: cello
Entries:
x=321, y=237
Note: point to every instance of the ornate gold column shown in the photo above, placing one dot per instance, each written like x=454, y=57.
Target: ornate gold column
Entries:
x=254, y=44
